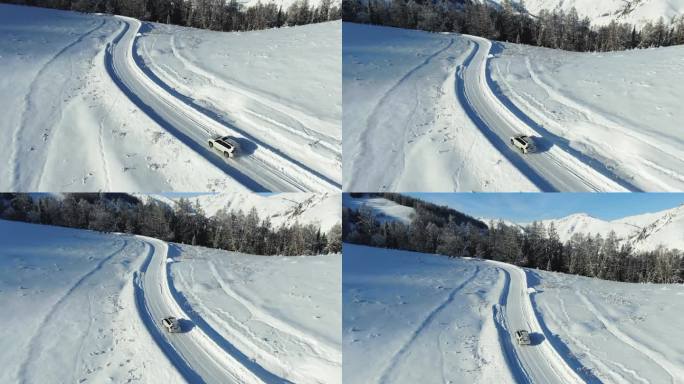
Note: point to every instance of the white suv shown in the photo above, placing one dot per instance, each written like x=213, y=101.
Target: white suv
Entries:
x=224, y=144
x=523, y=143
x=522, y=336
x=171, y=324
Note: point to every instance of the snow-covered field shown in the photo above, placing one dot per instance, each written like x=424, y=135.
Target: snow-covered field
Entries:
x=437, y=111
x=82, y=113
x=80, y=306
x=620, y=332
x=620, y=108
x=67, y=125
x=68, y=308
x=300, y=341
x=404, y=127
x=411, y=317
x=278, y=88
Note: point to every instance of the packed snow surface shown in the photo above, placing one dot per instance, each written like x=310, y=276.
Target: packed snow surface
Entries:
x=405, y=127
x=412, y=317
x=621, y=109
x=385, y=210
x=620, y=332
x=86, y=307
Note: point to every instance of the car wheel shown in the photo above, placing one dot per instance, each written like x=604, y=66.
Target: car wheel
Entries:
x=211, y=145
x=226, y=154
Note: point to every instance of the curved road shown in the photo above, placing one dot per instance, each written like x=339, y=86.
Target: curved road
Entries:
x=538, y=362
x=551, y=168
x=191, y=352
x=192, y=127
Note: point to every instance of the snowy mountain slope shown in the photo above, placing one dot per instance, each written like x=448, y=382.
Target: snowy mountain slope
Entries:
x=385, y=210
x=643, y=232
x=412, y=317
x=603, y=12
x=405, y=128
x=50, y=275
x=322, y=209
x=278, y=90
x=68, y=126
x=583, y=223
x=621, y=332
x=619, y=109
x=301, y=340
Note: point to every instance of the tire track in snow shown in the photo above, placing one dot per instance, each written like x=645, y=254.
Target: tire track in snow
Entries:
x=619, y=378
x=557, y=167
x=676, y=373
x=359, y=161
x=395, y=360
x=320, y=348
x=268, y=157
x=507, y=348
x=205, y=349
x=28, y=104
x=37, y=336
x=542, y=360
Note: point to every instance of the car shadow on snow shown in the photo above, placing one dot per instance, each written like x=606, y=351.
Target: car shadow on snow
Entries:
x=247, y=147
x=541, y=145
x=185, y=325
x=536, y=338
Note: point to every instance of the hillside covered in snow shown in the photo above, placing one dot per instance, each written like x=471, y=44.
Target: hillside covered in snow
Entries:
x=82, y=306
x=439, y=112
x=406, y=128
x=412, y=317
x=99, y=102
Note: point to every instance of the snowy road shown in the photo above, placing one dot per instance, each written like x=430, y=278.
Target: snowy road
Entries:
x=551, y=168
x=538, y=362
x=197, y=357
x=259, y=170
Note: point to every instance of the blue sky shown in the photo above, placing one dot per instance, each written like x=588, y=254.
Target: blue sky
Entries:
x=526, y=207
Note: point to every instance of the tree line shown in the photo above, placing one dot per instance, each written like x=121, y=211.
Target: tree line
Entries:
x=510, y=22
x=185, y=223
x=218, y=15
x=533, y=246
